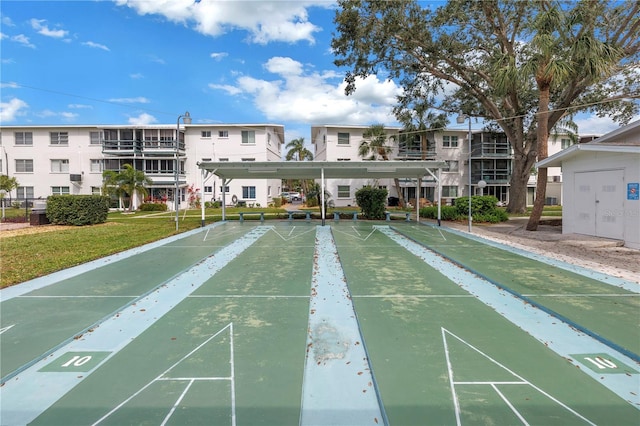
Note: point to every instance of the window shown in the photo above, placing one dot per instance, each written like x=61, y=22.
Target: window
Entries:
x=208, y=189
x=248, y=192
x=24, y=138
x=24, y=166
x=167, y=135
x=1, y=169
x=248, y=159
x=96, y=166
x=223, y=159
x=565, y=143
x=60, y=190
x=226, y=188
x=452, y=165
x=94, y=138
x=59, y=166
x=96, y=190
x=344, y=191
x=223, y=133
x=248, y=136
x=24, y=192
x=59, y=138
x=206, y=159
x=449, y=141
x=450, y=191
x=343, y=138
x=205, y=134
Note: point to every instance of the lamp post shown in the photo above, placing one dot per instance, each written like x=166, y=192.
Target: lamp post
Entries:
x=2, y=194
x=187, y=120
x=460, y=119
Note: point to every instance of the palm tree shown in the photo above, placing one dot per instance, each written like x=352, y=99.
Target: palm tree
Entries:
x=375, y=146
x=298, y=152
x=128, y=181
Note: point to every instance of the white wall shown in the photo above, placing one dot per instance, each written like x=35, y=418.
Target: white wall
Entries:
x=626, y=217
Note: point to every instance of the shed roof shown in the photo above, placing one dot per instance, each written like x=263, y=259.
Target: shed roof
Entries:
x=315, y=169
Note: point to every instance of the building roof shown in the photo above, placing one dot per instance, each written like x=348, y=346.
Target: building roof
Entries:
x=623, y=140
x=316, y=169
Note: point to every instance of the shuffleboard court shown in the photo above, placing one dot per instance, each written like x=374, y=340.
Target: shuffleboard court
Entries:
x=288, y=322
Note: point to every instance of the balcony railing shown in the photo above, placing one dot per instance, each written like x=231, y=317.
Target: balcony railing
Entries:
x=120, y=147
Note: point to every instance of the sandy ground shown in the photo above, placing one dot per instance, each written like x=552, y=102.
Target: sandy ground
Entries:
x=600, y=254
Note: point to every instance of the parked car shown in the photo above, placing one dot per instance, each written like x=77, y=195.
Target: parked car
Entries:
x=295, y=196
x=286, y=196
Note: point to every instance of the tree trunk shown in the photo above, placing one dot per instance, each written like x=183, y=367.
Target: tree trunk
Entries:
x=401, y=201
x=543, y=150
x=518, y=185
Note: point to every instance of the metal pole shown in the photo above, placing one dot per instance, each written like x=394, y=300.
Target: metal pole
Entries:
x=469, y=139
x=175, y=172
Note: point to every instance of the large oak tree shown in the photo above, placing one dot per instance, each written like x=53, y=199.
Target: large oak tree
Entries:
x=524, y=65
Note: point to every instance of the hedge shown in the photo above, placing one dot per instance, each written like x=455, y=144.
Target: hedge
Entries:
x=77, y=210
x=372, y=202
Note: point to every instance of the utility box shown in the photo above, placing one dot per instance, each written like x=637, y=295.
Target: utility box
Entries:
x=39, y=214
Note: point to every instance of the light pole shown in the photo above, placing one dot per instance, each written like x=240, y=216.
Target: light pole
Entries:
x=187, y=120
x=460, y=119
x=2, y=194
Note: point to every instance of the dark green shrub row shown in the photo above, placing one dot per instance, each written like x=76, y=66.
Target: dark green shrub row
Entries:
x=372, y=202
x=77, y=209
x=212, y=204
x=153, y=207
x=483, y=209
x=446, y=213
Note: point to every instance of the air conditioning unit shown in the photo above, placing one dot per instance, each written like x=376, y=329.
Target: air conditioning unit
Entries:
x=75, y=178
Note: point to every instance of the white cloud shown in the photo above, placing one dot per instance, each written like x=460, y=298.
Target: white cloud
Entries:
x=9, y=85
x=594, y=125
x=265, y=21
x=232, y=90
x=23, y=40
x=69, y=116
x=136, y=76
x=311, y=97
x=38, y=25
x=143, y=119
x=79, y=106
x=218, y=56
x=138, y=100
x=12, y=109
x=96, y=45
x=7, y=22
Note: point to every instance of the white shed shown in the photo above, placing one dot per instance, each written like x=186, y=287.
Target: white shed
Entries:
x=601, y=184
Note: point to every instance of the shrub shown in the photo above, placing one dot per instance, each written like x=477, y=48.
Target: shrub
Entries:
x=153, y=207
x=77, y=209
x=277, y=201
x=446, y=212
x=372, y=202
x=483, y=208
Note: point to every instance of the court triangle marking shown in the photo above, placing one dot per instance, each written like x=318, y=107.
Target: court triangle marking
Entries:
x=497, y=369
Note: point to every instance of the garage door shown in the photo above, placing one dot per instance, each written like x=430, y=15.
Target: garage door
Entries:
x=599, y=203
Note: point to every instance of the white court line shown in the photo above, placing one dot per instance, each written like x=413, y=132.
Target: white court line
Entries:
x=357, y=237
x=414, y=296
x=421, y=230
x=516, y=412
x=454, y=396
x=292, y=229
x=355, y=230
x=272, y=228
x=142, y=389
x=175, y=405
x=248, y=296
x=566, y=407
x=77, y=297
x=584, y=295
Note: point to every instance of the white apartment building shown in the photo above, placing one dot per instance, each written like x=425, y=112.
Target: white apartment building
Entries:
x=56, y=160
x=490, y=161
x=52, y=160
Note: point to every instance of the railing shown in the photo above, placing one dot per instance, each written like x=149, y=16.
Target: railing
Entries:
x=141, y=146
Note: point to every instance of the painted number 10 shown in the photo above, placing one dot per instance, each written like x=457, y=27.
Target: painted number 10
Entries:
x=601, y=362
x=77, y=361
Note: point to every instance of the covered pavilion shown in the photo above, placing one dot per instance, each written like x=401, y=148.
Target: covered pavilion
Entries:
x=322, y=170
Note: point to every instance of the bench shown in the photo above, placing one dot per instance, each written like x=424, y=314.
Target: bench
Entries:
x=407, y=216
x=306, y=212
x=243, y=213
x=336, y=215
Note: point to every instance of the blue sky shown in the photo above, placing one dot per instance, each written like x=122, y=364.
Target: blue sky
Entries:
x=146, y=62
